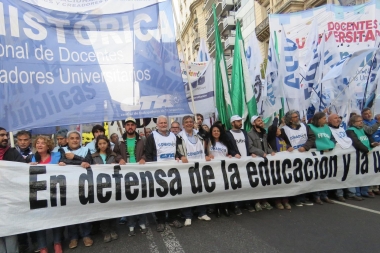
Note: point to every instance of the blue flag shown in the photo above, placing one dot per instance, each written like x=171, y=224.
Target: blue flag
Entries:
x=61, y=68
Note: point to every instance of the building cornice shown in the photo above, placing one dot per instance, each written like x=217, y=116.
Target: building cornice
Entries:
x=191, y=17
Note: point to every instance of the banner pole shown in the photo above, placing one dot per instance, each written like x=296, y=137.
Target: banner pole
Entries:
x=185, y=60
x=12, y=140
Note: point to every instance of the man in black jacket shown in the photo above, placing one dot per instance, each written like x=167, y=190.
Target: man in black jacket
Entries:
x=161, y=146
x=238, y=137
x=239, y=140
x=198, y=126
x=8, y=243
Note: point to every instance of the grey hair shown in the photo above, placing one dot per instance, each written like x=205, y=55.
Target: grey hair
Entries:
x=354, y=118
x=71, y=132
x=187, y=117
x=162, y=117
x=288, y=116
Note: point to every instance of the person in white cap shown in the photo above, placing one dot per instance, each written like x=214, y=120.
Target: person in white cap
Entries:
x=258, y=146
x=239, y=140
x=238, y=136
x=257, y=137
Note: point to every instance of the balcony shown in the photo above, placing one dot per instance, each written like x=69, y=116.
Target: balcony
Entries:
x=314, y=3
x=196, y=43
x=212, y=50
x=208, y=4
x=229, y=42
x=228, y=23
x=210, y=16
x=210, y=33
x=227, y=5
x=229, y=62
x=195, y=24
x=288, y=6
x=262, y=30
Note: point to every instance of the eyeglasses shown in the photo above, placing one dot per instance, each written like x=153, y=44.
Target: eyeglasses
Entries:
x=175, y=127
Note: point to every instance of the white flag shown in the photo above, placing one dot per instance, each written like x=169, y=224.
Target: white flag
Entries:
x=288, y=73
x=254, y=60
x=203, y=54
x=272, y=103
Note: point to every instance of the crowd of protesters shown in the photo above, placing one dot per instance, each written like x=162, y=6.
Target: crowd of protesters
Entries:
x=195, y=141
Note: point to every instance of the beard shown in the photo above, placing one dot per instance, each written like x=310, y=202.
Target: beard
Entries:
x=297, y=124
x=3, y=144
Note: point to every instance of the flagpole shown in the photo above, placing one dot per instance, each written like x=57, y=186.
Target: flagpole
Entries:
x=185, y=60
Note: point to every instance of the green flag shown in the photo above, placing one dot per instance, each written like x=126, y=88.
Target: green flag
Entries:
x=222, y=86
x=242, y=95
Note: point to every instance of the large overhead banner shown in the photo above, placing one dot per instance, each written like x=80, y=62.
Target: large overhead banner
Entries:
x=39, y=197
x=97, y=61
x=352, y=28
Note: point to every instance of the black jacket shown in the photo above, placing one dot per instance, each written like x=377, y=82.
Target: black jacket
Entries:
x=272, y=134
x=235, y=149
x=13, y=155
x=151, y=150
x=358, y=145
x=77, y=160
x=202, y=133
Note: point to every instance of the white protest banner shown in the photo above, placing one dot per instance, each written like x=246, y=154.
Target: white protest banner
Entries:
x=201, y=78
x=40, y=197
x=354, y=28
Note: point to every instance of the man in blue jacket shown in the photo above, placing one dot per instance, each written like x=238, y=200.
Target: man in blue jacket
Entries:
x=369, y=121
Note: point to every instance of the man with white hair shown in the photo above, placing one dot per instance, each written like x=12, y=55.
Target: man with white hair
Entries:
x=161, y=146
x=75, y=154
x=298, y=136
x=175, y=127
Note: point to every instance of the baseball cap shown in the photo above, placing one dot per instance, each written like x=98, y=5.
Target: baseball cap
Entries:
x=130, y=119
x=255, y=117
x=235, y=117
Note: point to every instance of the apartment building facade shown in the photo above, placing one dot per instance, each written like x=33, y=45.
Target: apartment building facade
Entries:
x=253, y=15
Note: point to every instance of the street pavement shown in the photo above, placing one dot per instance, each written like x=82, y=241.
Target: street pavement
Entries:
x=333, y=228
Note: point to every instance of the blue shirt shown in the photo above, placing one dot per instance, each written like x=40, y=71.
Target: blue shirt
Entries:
x=376, y=135
x=91, y=146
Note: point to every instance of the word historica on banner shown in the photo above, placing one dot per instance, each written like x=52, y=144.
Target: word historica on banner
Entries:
x=40, y=197
x=62, y=68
